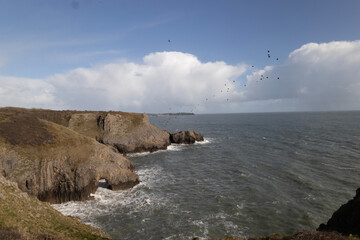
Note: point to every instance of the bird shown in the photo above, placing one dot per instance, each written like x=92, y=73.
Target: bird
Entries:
x=169, y=40
x=252, y=66
x=278, y=78
x=277, y=58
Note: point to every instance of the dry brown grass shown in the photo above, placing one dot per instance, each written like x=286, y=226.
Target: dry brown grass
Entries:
x=24, y=129
x=24, y=217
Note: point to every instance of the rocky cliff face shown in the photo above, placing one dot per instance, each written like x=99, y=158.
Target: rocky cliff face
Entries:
x=346, y=219
x=127, y=132
x=136, y=133
x=55, y=163
x=60, y=156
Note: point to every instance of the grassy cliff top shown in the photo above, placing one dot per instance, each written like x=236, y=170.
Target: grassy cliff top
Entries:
x=25, y=217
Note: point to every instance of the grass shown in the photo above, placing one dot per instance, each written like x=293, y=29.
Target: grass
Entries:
x=24, y=217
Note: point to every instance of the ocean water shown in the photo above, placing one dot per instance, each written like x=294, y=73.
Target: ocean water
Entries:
x=255, y=174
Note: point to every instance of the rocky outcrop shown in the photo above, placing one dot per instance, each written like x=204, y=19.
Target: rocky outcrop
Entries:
x=22, y=216
x=130, y=133
x=186, y=137
x=346, y=219
x=127, y=132
x=55, y=163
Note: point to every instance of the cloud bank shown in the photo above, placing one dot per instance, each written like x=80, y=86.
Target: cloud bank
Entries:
x=322, y=76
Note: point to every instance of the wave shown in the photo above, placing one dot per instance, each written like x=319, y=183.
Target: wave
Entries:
x=130, y=201
x=173, y=147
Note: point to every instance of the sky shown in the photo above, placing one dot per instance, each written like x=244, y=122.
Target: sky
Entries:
x=203, y=56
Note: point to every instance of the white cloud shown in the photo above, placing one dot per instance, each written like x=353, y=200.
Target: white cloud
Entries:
x=164, y=80
x=322, y=76
x=29, y=93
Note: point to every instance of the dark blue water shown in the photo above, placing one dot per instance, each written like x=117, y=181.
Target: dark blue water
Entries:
x=255, y=174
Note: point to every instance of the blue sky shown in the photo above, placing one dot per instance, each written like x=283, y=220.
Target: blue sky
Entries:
x=42, y=43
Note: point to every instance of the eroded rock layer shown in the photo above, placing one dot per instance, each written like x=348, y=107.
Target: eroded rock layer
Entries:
x=55, y=163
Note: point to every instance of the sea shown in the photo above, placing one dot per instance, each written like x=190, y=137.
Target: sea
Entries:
x=255, y=174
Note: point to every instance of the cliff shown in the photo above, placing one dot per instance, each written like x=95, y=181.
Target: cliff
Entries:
x=346, y=219
x=55, y=163
x=127, y=132
x=22, y=216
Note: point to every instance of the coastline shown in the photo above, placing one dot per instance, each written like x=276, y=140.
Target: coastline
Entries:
x=158, y=175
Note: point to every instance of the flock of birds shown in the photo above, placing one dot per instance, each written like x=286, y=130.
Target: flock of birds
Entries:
x=226, y=89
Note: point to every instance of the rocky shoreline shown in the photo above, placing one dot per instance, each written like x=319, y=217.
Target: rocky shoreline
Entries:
x=59, y=156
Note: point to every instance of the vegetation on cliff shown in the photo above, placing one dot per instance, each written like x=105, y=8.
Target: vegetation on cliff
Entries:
x=23, y=216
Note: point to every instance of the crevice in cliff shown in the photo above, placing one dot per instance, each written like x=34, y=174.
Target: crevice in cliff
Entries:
x=100, y=121
x=103, y=184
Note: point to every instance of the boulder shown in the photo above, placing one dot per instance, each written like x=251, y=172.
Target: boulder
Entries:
x=186, y=137
x=346, y=219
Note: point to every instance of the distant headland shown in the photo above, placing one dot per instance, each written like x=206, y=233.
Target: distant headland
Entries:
x=170, y=114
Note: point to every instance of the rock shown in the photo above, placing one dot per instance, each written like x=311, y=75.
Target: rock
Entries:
x=186, y=137
x=346, y=219
x=131, y=133
x=55, y=163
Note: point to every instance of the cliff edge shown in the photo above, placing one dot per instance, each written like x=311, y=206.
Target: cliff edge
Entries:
x=346, y=219
x=55, y=163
